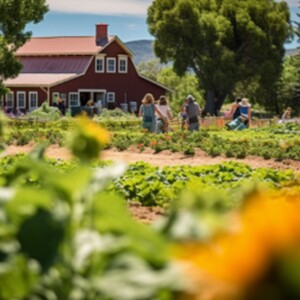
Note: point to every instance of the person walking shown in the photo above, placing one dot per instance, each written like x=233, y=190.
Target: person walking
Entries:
x=193, y=112
x=162, y=124
x=183, y=115
x=147, y=112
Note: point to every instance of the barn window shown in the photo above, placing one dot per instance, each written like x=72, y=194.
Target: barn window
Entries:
x=33, y=100
x=21, y=99
x=9, y=98
x=123, y=64
x=74, y=100
x=55, y=97
x=100, y=64
x=110, y=97
x=111, y=65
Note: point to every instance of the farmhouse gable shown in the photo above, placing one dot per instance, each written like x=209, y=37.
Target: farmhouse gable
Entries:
x=78, y=69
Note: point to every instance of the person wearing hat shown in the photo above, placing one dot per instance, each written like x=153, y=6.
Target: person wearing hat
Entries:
x=193, y=112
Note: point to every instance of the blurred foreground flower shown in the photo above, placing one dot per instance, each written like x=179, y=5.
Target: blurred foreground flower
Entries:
x=87, y=139
x=259, y=260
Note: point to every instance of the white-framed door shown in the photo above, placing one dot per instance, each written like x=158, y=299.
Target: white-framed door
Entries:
x=33, y=101
x=92, y=94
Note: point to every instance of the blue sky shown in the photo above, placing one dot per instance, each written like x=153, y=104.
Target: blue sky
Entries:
x=126, y=18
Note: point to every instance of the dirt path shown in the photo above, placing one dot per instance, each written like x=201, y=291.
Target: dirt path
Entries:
x=165, y=158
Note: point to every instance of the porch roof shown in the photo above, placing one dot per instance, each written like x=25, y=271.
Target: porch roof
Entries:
x=38, y=80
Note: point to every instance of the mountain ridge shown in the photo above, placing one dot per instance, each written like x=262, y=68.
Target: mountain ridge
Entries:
x=143, y=50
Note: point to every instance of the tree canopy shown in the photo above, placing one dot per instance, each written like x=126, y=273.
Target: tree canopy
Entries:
x=14, y=16
x=222, y=41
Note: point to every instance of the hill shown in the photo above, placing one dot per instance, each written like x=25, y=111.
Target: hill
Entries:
x=291, y=52
x=142, y=50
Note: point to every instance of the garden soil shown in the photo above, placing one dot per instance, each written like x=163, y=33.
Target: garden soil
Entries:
x=164, y=158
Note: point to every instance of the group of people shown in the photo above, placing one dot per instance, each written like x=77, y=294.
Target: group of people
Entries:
x=156, y=117
x=13, y=112
x=240, y=113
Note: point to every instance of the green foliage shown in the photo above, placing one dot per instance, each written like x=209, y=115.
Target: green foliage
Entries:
x=14, y=16
x=223, y=42
x=153, y=186
x=66, y=234
x=288, y=85
x=279, y=141
x=62, y=237
x=45, y=113
x=150, y=69
x=181, y=87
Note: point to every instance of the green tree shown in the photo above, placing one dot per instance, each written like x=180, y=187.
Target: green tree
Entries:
x=14, y=16
x=222, y=41
x=181, y=87
x=288, y=85
x=149, y=69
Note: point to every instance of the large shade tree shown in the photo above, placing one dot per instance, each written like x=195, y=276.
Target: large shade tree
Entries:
x=222, y=41
x=14, y=16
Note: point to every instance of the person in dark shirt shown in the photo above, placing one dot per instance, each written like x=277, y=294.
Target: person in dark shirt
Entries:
x=61, y=106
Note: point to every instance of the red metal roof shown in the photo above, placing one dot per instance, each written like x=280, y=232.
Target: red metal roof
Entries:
x=36, y=80
x=55, y=64
x=72, y=45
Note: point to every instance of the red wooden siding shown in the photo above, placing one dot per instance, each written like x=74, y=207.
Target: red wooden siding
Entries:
x=126, y=86
x=42, y=95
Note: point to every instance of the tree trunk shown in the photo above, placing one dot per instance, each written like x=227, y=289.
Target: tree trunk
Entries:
x=210, y=105
x=213, y=104
x=219, y=104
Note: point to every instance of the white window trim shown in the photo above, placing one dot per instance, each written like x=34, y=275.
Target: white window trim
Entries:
x=78, y=102
x=100, y=57
x=37, y=100
x=12, y=100
x=107, y=64
x=18, y=94
x=124, y=58
x=113, y=96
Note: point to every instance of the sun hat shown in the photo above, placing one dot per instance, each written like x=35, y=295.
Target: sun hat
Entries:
x=190, y=98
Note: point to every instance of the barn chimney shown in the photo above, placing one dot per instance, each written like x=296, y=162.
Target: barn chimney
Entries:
x=101, y=34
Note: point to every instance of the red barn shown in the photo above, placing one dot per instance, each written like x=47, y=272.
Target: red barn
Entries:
x=78, y=69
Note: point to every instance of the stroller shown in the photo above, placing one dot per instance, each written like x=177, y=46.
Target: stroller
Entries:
x=236, y=124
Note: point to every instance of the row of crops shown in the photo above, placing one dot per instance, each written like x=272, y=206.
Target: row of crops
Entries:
x=65, y=231
x=279, y=142
x=153, y=186
x=229, y=232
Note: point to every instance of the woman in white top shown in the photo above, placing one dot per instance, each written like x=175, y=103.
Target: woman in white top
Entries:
x=287, y=114
x=162, y=124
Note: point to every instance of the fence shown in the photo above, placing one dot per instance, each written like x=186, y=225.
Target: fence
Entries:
x=219, y=122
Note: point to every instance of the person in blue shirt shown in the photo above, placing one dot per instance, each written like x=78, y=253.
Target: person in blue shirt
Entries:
x=147, y=111
x=245, y=111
